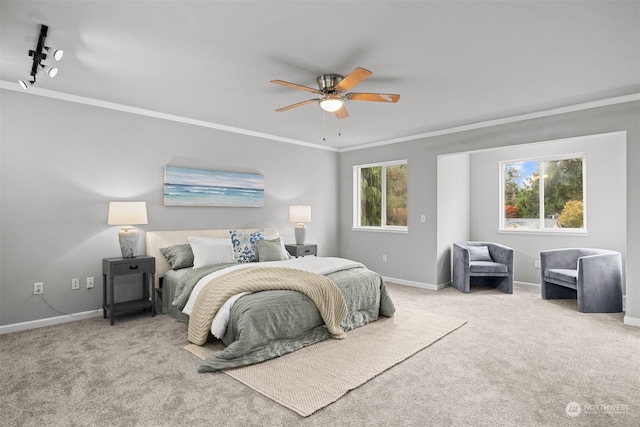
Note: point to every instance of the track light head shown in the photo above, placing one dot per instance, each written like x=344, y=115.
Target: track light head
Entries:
x=57, y=53
x=25, y=85
x=51, y=71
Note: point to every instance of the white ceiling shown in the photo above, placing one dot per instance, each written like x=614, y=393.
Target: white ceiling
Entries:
x=453, y=62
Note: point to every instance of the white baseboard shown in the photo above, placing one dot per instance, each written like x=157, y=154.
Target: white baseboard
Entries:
x=34, y=324
x=420, y=285
x=527, y=284
x=631, y=321
x=50, y=321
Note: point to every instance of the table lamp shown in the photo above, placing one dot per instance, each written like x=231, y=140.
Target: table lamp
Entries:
x=128, y=214
x=300, y=214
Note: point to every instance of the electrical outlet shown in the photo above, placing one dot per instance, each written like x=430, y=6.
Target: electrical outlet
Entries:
x=536, y=263
x=38, y=288
x=90, y=282
x=423, y=218
x=75, y=284
x=384, y=258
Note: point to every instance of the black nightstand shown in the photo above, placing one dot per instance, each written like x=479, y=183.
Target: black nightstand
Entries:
x=113, y=267
x=302, y=250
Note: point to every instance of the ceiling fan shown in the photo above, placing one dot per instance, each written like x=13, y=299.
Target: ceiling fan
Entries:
x=332, y=87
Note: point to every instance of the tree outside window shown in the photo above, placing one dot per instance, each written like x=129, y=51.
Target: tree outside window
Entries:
x=543, y=194
x=381, y=195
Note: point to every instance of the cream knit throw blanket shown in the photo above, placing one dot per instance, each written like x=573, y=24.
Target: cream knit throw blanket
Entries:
x=322, y=291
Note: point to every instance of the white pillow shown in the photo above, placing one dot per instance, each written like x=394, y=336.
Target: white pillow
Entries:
x=208, y=251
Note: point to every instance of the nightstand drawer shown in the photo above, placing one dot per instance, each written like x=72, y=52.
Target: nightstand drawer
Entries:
x=302, y=250
x=133, y=267
x=307, y=250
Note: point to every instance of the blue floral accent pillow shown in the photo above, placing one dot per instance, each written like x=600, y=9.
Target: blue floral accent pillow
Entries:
x=245, y=247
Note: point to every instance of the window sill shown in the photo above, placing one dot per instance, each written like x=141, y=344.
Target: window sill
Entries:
x=404, y=230
x=556, y=232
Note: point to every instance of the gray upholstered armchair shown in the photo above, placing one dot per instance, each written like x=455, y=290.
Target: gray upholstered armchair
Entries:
x=593, y=276
x=492, y=262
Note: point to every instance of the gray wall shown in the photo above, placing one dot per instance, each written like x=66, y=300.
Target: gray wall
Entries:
x=61, y=163
x=606, y=202
x=454, y=209
x=414, y=256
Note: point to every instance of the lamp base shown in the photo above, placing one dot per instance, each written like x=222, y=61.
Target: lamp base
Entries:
x=128, y=237
x=301, y=233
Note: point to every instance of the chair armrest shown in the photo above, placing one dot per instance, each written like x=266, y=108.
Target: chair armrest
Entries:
x=459, y=263
x=600, y=268
x=461, y=256
x=502, y=254
x=460, y=259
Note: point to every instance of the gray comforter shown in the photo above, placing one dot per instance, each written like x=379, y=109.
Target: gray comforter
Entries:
x=268, y=324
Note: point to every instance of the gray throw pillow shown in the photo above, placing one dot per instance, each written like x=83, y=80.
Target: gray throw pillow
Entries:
x=178, y=256
x=479, y=253
x=271, y=250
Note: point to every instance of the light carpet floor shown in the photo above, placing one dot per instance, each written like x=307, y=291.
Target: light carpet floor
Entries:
x=518, y=361
x=316, y=376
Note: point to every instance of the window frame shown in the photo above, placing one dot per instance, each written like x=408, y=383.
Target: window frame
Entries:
x=542, y=230
x=357, y=206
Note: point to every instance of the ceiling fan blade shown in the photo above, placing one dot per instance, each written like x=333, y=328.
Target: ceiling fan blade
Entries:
x=341, y=113
x=299, y=104
x=295, y=86
x=376, y=97
x=352, y=79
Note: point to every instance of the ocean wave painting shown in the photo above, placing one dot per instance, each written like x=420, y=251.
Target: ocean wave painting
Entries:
x=199, y=187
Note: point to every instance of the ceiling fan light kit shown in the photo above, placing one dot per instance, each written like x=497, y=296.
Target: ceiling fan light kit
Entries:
x=39, y=55
x=331, y=103
x=332, y=87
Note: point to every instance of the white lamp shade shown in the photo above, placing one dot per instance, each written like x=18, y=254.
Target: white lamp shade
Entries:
x=127, y=213
x=299, y=213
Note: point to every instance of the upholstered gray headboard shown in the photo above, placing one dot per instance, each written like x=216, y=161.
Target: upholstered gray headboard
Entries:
x=162, y=239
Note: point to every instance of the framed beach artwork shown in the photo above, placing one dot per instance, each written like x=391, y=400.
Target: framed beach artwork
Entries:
x=199, y=187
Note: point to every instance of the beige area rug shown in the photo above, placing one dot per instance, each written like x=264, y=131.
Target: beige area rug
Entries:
x=313, y=377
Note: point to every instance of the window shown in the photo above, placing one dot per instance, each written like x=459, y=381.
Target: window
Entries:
x=380, y=196
x=543, y=195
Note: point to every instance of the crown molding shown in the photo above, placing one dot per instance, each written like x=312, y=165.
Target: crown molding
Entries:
x=202, y=123
x=155, y=114
x=502, y=121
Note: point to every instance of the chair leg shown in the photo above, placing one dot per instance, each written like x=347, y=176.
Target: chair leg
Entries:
x=506, y=285
x=461, y=284
x=466, y=285
x=600, y=301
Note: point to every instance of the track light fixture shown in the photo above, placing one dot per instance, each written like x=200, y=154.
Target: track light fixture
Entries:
x=39, y=55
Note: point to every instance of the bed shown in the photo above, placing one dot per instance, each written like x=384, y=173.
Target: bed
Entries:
x=259, y=302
